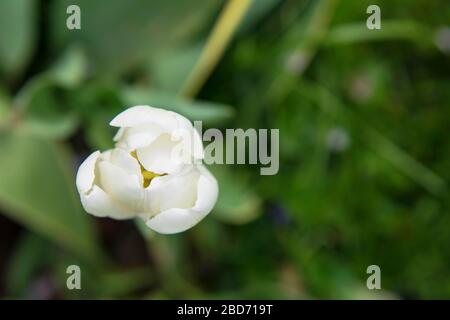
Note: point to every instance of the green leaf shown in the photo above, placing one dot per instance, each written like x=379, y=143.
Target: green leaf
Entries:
x=238, y=203
x=209, y=112
x=17, y=33
x=71, y=69
x=37, y=189
x=171, y=70
x=392, y=30
x=41, y=111
x=130, y=32
x=46, y=117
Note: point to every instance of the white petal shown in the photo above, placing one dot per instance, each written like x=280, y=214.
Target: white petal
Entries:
x=99, y=204
x=140, y=115
x=180, y=218
x=137, y=137
x=191, y=142
x=119, y=134
x=175, y=190
x=122, y=187
x=141, y=125
x=198, y=152
x=158, y=157
x=174, y=221
x=126, y=162
x=85, y=175
x=207, y=191
x=106, y=155
x=185, y=130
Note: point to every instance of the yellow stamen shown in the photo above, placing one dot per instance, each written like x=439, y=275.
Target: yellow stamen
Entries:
x=147, y=175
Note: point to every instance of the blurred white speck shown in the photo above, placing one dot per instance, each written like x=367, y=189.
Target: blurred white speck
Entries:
x=361, y=88
x=442, y=39
x=296, y=63
x=338, y=140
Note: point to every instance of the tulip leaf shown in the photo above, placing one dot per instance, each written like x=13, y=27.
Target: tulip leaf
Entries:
x=209, y=112
x=47, y=118
x=37, y=189
x=238, y=203
x=106, y=31
x=43, y=113
x=17, y=34
x=171, y=70
x=70, y=70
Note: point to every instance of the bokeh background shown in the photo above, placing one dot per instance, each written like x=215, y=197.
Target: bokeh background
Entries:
x=364, y=146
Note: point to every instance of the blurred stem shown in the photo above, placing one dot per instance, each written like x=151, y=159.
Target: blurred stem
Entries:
x=406, y=163
x=304, y=51
x=216, y=44
x=319, y=23
x=314, y=34
x=173, y=281
x=391, y=30
x=167, y=254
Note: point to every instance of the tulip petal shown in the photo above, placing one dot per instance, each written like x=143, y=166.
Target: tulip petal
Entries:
x=192, y=135
x=178, y=219
x=159, y=157
x=198, y=152
x=126, y=162
x=174, y=220
x=123, y=188
x=141, y=115
x=85, y=176
x=176, y=191
x=99, y=204
x=142, y=125
x=137, y=137
x=207, y=191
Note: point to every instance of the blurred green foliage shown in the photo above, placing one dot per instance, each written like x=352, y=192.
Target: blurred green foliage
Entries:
x=364, y=151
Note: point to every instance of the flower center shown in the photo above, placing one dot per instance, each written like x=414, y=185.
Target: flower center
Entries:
x=147, y=175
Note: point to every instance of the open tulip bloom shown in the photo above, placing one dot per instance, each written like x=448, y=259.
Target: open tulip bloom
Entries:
x=154, y=172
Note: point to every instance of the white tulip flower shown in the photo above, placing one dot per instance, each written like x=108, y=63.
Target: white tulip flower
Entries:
x=152, y=173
